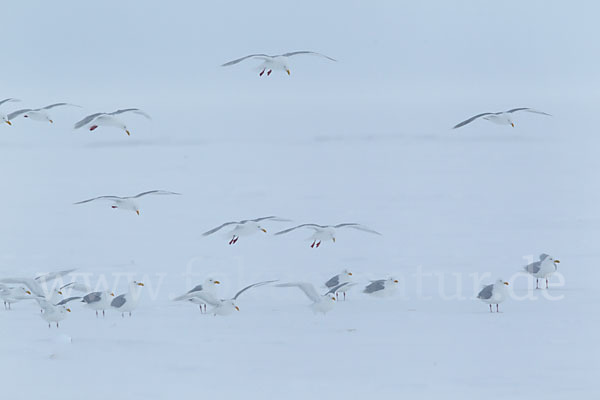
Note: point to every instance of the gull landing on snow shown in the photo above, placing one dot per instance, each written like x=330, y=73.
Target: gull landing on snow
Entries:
x=327, y=232
x=244, y=227
x=279, y=62
x=128, y=203
x=320, y=303
x=108, y=119
x=500, y=118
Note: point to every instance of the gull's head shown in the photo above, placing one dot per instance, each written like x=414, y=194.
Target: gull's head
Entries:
x=112, y=294
x=501, y=282
x=27, y=291
x=262, y=229
x=213, y=281
x=127, y=132
x=68, y=309
x=50, y=120
x=6, y=120
x=286, y=69
x=393, y=281
x=346, y=272
x=136, y=283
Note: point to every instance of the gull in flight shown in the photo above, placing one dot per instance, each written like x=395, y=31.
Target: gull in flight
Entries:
x=344, y=277
x=320, y=303
x=37, y=114
x=278, y=62
x=381, y=287
x=228, y=306
x=39, y=285
x=327, y=232
x=543, y=268
x=500, y=118
x=198, y=293
x=127, y=302
x=97, y=301
x=245, y=227
x=10, y=295
x=109, y=119
x=494, y=294
x=3, y=116
x=55, y=312
x=127, y=203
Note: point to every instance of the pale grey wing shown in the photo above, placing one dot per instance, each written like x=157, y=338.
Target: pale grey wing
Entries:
x=132, y=110
x=9, y=100
x=251, y=286
x=156, y=192
x=375, y=286
x=531, y=110
x=113, y=198
x=486, y=293
x=300, y=226
x=294, y=53
x=58, y=105
x=543, y=256
x=308, y=289
x=196, y=288
x=118, y=301
x=53, y=275
x=220, y=227
x=468, y=121
x=76, y=286
x=533, y=268
x=272, y=218
x=333, y=281
x=338, y=287
x=87, y=120
x=260, y=56
x=93, y=297
x=357, y=226
x=15, y=114
x=67, y=300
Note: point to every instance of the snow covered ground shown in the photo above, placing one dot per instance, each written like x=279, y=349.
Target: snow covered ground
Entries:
x=355, y=141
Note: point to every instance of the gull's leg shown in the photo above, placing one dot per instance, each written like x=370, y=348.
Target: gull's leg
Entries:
x=262, y=72
x=205, y=309
x=49, y=326
x=236, y=239
x=102, y=313
x=96, y=313
x=122, y=315
x=344, y=296
x=313, y=244
x=318, y=244
x=546, y=283
x=336, y=296
x=497, y=308
x=200, y=306
x=130, y=313
x=269, y=72
x=57, y=324
x=490, y=308
x=231, y=241
x=537, y=283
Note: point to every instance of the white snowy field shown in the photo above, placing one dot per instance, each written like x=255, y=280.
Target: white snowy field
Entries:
x=457, y=209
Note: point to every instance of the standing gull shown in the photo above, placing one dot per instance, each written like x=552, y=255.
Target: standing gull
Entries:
x=278, y=62
x=244, y=227
x=108, y=119
x=494, y=294
x=320, y=303
x=327, y=232
x=228, y=306
x=381, y=287
x=55, y=312
x=543, y=268
x=13, y=294
x=3, y=116
x=198, y=293
x=500, y=118
x=37, y=114
x=344, y=277
x=128, y=202
x=97, y=301
x=126, y=303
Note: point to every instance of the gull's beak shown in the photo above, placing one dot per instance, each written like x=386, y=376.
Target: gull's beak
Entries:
x=333, y=298
x=288, y=71
x=264, y=230
x=237, y=308
x=513, y=125
x=395, y=280
x=127, y=132
x=68, y=309
x=28, y=292
x=137, y=212
x=59, y=292
x=557, y=261
x=217, y=282
x=8, y=122
x=112, y=294
x=140, y=284
x=333, y=240
x=350, y=273
x=51, y=121
x=506, y=283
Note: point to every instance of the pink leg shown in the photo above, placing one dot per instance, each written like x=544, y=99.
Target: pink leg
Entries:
x=318, y=244
x=261, y=72
x=236, y=239
x=96, y=313
x=497, y=308
x=490, y=308
x=336, y=296
x=313, y=244
x=269, y=72
x=546, y=283
x=231, y=241
x=344, y=296
x=205, y=309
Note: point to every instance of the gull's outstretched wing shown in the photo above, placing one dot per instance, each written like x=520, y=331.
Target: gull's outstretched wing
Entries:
x=294, y=53
x=259, y=56
x=76, y=286
x=15, y=114
x=213, y=230
x=131, y=110
x=9, y=100
x=356, y=226
x=68, y=299
x=308, y=289
x=58, y=105
x=468, y=121
x=87, y=120
x=251, y=286
x=272, y=218
x=156, y=192
x=314, y=226
x=113, y=198
x=531, y=110
x=53, y=275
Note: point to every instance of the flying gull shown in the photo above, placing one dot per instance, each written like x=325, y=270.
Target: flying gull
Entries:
x=244, y=227
x=228, y=306
x=128, y=202
x=500, y=118
x=278, y=62
x=327, y=232
x=320, y=303
x=37, y=114
x=109, y=119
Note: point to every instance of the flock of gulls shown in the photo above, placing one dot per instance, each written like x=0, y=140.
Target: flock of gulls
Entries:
x=55, y=306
